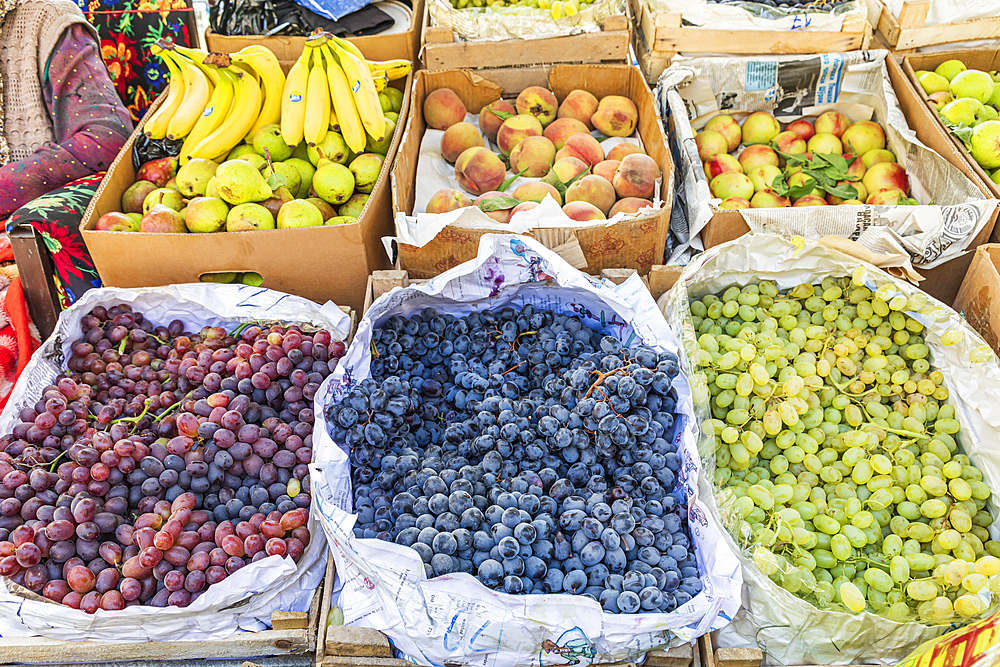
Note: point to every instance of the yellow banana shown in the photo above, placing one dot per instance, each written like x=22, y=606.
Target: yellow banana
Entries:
x=242, y=115
x=363, y=88
x=380, y=79
x=218, y=109
x=272, y=80
x=156, y=125
x=343, y=104
x=293, y=99
x=317, y=119
x=197, y=91
x=394, y=69
x=350, y=47
x=334, y=121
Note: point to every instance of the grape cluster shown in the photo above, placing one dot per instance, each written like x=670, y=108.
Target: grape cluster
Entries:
x=162, y=462
x=526, y=449
x=836, y=452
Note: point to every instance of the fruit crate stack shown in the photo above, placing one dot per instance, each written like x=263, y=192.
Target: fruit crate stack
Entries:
x=910, y=31
x=659, y=36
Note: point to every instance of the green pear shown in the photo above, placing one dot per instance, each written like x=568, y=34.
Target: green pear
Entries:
x=972, y=83
x=293, y=179
x=986, y=144
x=994, y=100
x=341, y=220
x=393, y=116
x=248, y=218
x=385, y=102
x=333, y=183
x=206, y=215
x=165, y=197
x=252, y=278
x=299, y=213
x=333, y=147
x=301, y=151
x=354, y=206
x=964, y=111
x=324, y=208
x=135, y=195
x=381, y=145
x=990, y=113
x=136, y=219
x=995, y=177
x=366, y=169
x=224, y=277
x=162, y=220
x=242, y=149
x=257, y=161
x=932, y=82
x=949, y=69
x=210, y=190
x=306, y=171
x=395, y=99
x=281, y=197
x=239, y=182
x=267, y=140
x=193, y=177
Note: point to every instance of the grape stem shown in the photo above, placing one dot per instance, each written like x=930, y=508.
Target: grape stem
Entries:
x=56, y=460
x=601, y=377
x=167, y=411
x=238, y=330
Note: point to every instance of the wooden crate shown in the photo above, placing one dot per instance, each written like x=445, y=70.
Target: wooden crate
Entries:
x=713, y=656
x=442, y=50
x=664, y=36
x=292, y=639
x=909, y=32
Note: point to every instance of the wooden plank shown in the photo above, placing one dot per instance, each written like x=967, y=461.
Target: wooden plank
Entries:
x=383, y=281
x=362, y=661
x=678, y=656
x=914, y=14
x=34, y=267
x=755, y=41
x=343, y=640
x=289, y=620
x=593, y=47
x=910, y=30
x=738, y=657
x=326, y=602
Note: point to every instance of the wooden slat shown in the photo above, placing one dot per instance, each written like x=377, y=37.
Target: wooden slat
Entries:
x=383, y=281
x=755, y=41
x=592, y=47
x=679, y=656
x=325, y=602
x=342, y=640
x=289, y=620
x=909, y=32
x=34, y=266
x=361, y=661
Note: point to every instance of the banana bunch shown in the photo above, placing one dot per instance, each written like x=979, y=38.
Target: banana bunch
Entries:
x=333, y=86
x=215, y=100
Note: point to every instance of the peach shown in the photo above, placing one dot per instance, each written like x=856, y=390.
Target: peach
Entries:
x=478, y=170
x=727, y=127
x=443, y=108
x=458, y=138
x=619, y=151
x=710, y=143
x=594, y=190
x=809, y=200
x=832, y=122
x=500, y=215
x=616, y=116
x=581, y=105
x=566, y=169
x=489, y=122
x=758, y=155
x=447, y=200
x=857, y=167
x=607, y=169
x=760, y=127
x=802, y=127
x=535, y=191
x=636, y=177
x=562, y=129
x=763, y=176
x=863, y=136
x=722, y=162
x=861, y=193
x=790, y=143
x=523, y=206
x=824, y=142
x=731, y=184
x=769, y=199
x=515, y=129
x=885, y=176
x=875, y=156
x=734, y=203
x=538, y=102
x=582, y=211
x=583, y=147
x=533, y=156
x=629, y=205
x=888, y=197
x=802, y=179
x=852, y=202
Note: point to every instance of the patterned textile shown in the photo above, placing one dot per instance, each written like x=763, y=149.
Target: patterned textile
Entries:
x=126, y=29
x=56, y=216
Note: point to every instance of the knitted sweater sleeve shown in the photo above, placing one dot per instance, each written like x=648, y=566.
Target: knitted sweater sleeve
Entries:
x=89, y=121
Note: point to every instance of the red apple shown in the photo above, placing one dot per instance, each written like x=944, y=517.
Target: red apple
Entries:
x=158, y=171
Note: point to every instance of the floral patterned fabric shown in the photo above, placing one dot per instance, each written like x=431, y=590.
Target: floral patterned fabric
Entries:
x=126, y=29
x=56, y=216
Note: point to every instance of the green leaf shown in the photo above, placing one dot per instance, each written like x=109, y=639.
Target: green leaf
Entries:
x=552, y=179
x=502, y=203
x=837, y=161
x=798, y=191
x=502, y=115
x=585, y=172
x=506, y=184
x=780, y=185
x=791, y=159
x=843, y=191
x=276, y=181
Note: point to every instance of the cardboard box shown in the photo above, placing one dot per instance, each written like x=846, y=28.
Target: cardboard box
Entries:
x=633, y=244
x=318, y=263
x=659, y=36
x=404, y=45
x=943, y=281
x=443, y=50
x=909, y=32
x=980, y=292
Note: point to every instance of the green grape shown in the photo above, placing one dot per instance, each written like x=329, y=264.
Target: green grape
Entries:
x=899, y=569
x=852, y=596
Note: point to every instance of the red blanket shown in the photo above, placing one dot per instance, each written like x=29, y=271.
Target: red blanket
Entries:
x=18, y=336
